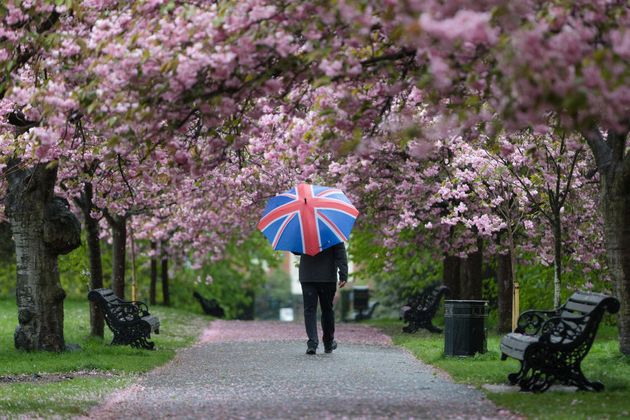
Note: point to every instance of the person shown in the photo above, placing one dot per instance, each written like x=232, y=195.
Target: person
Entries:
x=318, y=277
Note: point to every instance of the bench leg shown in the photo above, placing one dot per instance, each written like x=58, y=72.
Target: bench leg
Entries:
x=410, y=329
x=515, y=378
x=537, y=382
x=432, y=328
x=578, y=379
x=143, y=343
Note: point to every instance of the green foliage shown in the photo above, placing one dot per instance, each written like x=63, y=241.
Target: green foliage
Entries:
x=398, y=273
x=97, y=367
x=234, y=281
x=74, y=269
x=275, y=294
x=604, y=363
x=405, y=270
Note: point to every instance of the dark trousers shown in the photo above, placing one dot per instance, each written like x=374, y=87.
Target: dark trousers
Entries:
x=324, y=292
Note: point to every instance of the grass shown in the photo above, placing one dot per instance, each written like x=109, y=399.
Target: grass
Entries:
x=603, y=363
x=96, y=369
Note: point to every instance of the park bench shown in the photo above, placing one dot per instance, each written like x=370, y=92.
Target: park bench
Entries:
x=130, y=322
x=420, y=309
x=550, y=345
x=209, y=306
x=363, y=308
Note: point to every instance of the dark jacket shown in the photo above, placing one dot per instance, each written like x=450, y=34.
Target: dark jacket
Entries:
x=323, y=266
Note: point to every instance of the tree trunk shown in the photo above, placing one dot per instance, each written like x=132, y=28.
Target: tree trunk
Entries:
x=153, y=284
x=613, y=164
x=471, y=273
x=557, y=261
x=616, y=210
x=451, y=265
x=43, y=228
x=118, y=225
x=97, y=322
x=504, y=293
x=166, y=296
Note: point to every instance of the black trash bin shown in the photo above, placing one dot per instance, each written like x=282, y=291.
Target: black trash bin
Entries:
x=465, y=327
x=360, y=298
x=346, y=303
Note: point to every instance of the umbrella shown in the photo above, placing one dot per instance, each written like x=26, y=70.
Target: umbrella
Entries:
x=308, y=219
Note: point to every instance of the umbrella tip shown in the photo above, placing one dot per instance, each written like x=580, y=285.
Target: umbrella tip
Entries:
x=304, y=200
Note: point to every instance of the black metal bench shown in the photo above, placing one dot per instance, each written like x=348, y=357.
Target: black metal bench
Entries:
x=209, y=306
x=420, y=309
x=363, y=308
x=551, y=344
x=130, y=322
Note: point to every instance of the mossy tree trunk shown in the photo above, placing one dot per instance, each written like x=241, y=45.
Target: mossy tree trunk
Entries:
x=504, y=292
x=118, y=225
x=451, y=275
x=85, y=202
x=43, y=228
x=154, y=274
x=166, y=295
x=613, y=164
x=471, y=275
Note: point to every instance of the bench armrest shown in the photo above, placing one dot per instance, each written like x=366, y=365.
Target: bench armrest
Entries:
x=558, y=331
x=142, y=306
x=531, y=322
x=128, y=310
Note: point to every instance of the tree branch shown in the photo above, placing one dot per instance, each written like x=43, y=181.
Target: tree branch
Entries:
x=600, y=148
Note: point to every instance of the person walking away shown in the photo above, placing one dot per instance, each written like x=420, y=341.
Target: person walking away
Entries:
x=318, y=277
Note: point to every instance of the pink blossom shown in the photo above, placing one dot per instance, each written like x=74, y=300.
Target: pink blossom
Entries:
x=331, y=68
x=466, y=25
x=261, y=12
x=621, y=43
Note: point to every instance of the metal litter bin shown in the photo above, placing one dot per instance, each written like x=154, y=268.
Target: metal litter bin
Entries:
x=465, y=327
x=346, y=303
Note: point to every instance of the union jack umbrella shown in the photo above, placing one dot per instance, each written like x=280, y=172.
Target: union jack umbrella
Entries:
x=308, y=219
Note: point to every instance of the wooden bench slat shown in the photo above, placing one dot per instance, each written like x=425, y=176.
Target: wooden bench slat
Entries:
x=579, y=307
x=588, y=298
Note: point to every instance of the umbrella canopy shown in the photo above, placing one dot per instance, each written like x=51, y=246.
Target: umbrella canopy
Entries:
x=308, y=219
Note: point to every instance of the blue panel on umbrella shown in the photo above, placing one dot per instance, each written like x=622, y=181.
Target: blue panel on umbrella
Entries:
x=341, y=220
x=272, y=229
x=276, y=202
x=340, y=197
x=318, y=188
x=326, y=236
x=291, y=238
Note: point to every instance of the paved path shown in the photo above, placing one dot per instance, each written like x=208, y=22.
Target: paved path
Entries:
x=249, y=370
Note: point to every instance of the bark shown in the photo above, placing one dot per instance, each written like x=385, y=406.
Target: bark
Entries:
x=118, y=224
x=451, y=275
x=43, y=228
x=512, y=253
x=97, y=322
x=557, y=261
x=616, y=210
x=153, y=283
x=504, y=292
x=614, y=167
x=134, y=279
x=7, y=245
x=166, y=296
x=471, y=275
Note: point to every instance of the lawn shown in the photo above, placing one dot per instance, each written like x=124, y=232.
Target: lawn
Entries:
x=604, y=363
x=69, y=383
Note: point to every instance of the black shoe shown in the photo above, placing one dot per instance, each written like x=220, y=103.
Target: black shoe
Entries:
x=310, y=350
x=328, y=348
